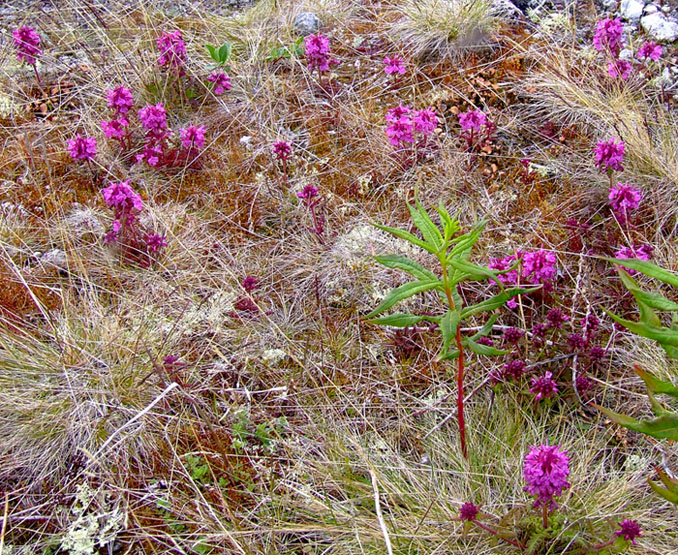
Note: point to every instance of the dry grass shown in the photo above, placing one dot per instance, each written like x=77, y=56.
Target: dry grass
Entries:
x=276, y=430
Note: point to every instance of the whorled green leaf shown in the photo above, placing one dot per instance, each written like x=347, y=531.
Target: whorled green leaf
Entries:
x=448, y=327
x=647, y=268
x=225, y=52
x=429, y=230
x=475, y=272
x=402, y=234
x=663, y=427
x=494, y=302
x=398, y=320
x=655, y=385
x=398, y=262
x=403, y=292
x=212, y=50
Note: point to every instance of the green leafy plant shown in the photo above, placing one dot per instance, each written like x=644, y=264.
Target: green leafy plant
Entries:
x=452, y=251
x=220, y=54
x=282, y=51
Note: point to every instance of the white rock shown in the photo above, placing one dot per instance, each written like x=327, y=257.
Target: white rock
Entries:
x=659, y=27
x=631, y=10
x=626, y=55
x=307, y=23
x=55, y=258
x=650, y=9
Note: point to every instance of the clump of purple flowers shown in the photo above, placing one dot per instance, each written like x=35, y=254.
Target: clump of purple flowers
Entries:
x=136, y=243
x=624, y=199
x=476, y=130
x=642, y=252
x=609, y=155
x=120, y=100
x=540, y=266
x=404, y=124
x=619, y=68
x=543, y=386
x=650, y=51
x=26, y=42
x=629, y=530
x=193, y=136
x=309, y=195
x=154, y=120
x=317, y=51
x=222, y=82
x=609, y=35
x=546, y=470
x=82, y=148
x=282, y=150
x=395, y=65
x=172, y=51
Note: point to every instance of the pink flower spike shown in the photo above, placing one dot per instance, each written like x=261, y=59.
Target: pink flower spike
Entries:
x=609, y=155
x=546, y=470
x=309, y=192
x=82, y=148
x=624, y=199
x=650, y=50
x=172, y=51
x=473, y=119
x=643, y=252
x=121, y=196
x=120, y=99
x=155, y=242
x=151, y=155
x=630, y=530
x=425, y=121
x=400, y=131
x=154, y=119
x=608, y=35
x=543, y=386
x=222, y=82
x=469, y=512
x=282, y=150
x=317, y=51
x=619, y=68
x=541, y=265
x=394, y=65
x=26, y=42
x=397, y=113
x=193, y=136
x=115, y=129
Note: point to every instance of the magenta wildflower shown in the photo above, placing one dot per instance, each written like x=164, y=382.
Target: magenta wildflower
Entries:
x=282, y=150
x=26, y=42
x=82, y=148
x=514, y=369
x=540, y=265
x=172, y=51
x=504, y=264
x=154, y=119
x=120, y=196
x=630, y=530
x=397, y=113
x=115, y=129
x=151, y=155
x=608, y=35
x=250, y=283
x=642, y=252
x=112, y=236
x=556, y=318
x=577, y=342
x=120, y=99
x=317, y=51
x=222, y=82
x=400, y=131
x=619, y=68
x=650, y=50
x=609, y=155
x=308, y=192
x=472, y=120
x=597, y=353
x=583, y=383
x=513, y=335
x=425, y=121
x=543, y=386
x=469, y=512
x=539, y=330
x=484, y=340
x=193, y=136
x=394, y=65
x=155, y=242
x=624, y=198
x=590, y=323
x=546, y=470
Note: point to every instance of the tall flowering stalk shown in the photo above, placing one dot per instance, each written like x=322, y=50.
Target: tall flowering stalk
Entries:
x=452, y=251
x=26, y=43
x=545, y=470
x=609, y=157
x=172, y=52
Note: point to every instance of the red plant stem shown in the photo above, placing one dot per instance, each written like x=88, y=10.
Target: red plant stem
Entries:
x=545, y=516
x=35, y=69
x=491, y=531
x=460, y=395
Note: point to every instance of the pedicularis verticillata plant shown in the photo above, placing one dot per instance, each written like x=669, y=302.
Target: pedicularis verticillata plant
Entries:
x=452, y=252
x=26, y=42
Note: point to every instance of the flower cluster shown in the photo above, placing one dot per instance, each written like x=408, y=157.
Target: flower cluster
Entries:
x=539, y=266
x=317, y=51
x=543, y=386
x=222, y=82
x=609, y=36
x=404, y=122
x=82, y=148
x=26, y=42
x=609, y=155
x=282, y=150
x=619, y=68
x=476, y=129
x=193, y=136
x=120, y=100
x=650, y=51
x=154, y=119
x=629, y=530
x=546, y=470
x=624, y=198
x=394, y=65
x=172, y=51
x=473, y=120
x=642, y=252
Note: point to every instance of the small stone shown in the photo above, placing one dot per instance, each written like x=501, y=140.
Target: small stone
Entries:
x=626, y=55
x=659, y=27
x=307, y=23
x=55, y=258
x=650, y=9
x=631, y=10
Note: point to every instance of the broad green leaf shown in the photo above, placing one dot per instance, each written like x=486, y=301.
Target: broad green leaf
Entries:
x=664, y=427
x=402, y=234
x=655, y=385
x=496, y=301
x=424, y=224
x=448, y=326
x=452, y=355
x=212, y=50
x=398, y=320
x=654, y=300
x=403, y=292
x=647, y=268
x=224, y=52
x=487, y=328
x=475, y=271
x=398, y=262
x=480, y=349
x=661, y=335
x=668, y=494
x=466, y=241
x=647, y=315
